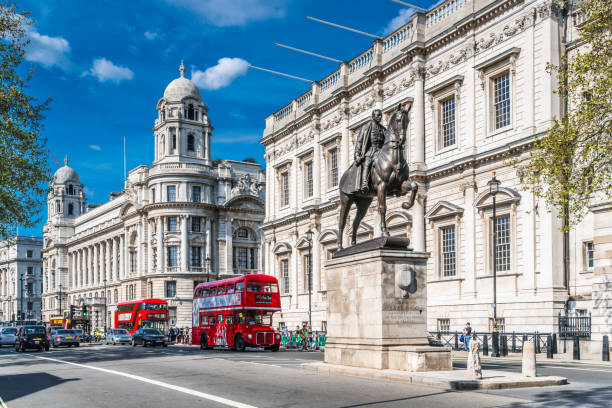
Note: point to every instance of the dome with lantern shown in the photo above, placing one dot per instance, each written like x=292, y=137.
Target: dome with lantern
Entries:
x=66, y=174
x=182, y=88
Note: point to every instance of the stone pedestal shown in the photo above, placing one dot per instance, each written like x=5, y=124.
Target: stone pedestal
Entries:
x=377, y=316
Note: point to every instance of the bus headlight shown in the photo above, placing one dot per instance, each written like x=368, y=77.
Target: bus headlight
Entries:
x=278, y=337
x=249, y=336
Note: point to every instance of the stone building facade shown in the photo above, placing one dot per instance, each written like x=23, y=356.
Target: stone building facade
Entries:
x=474, y=73
x=178, y=222
x=20, y=279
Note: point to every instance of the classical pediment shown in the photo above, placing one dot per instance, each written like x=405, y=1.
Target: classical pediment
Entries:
x=443, y=209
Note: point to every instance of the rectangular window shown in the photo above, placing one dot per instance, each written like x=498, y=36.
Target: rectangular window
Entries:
x=30, y=270
x=444, y=325
x=196, y=256
x=241, y=258
x=30, y=253
x=308, y=182
x=333, y=168
x=174, y=141
x=172, y=224
x=501, y=86
x=447, y=114
x=172, y=256
x=284, y=264
x=196, y=194
x=132, y=261
x=502, y=244
x=448, y=250
x=284, y=189
x=253, y=256
x=171, y=190
x=501, y=325
x=170, y=289
x=172, y=316
x=196, y=223
x=154, y=258
x=152, y=195
x=307, y=276
x=589, y=250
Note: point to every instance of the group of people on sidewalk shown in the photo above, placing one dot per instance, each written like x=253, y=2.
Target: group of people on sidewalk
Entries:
x=180, y=335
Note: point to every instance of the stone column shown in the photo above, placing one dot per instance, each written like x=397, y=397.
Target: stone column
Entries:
x=184, y=245
x=96, y=268
x=208, y=248
x=316, y=163
x=229, y=247
x=122, y=260
x=149, y=268
x=72, y=264
x=90, y=268
x=139, y=249
x=418, y=157
x=418, y=222
x=469, y=221
x=114, y=261
x=345, y=154
x=528, y=214
x=160, y=244
x=293, y=185
x=109, y=270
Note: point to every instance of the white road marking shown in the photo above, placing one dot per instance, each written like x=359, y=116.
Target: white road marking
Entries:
x=184, y=390
x=261, y=364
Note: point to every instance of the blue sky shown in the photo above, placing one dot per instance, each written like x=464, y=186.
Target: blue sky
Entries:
x=106, y=64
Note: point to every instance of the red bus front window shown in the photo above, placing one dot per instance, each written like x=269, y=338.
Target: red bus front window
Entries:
x=254, y=287
x=239, y=286
x=270, y=288
x=253, y=317
x=213, y=291
x=204, y=292
x=230, y=288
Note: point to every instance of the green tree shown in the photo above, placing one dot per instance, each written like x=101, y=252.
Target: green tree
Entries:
x=23, y=170
x=574, y=159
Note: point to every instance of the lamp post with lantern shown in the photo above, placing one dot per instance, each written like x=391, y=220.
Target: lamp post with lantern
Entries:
x=309, y=235
x=208, y=268
x=493, y=190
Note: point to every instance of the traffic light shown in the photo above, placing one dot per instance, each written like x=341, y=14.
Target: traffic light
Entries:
x=18, y=315
x=84, y=311
x=72, y=311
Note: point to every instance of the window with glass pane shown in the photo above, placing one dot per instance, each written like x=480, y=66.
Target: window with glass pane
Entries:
x=172, y=256
x=172, y=316
x=284, y=189
x=333, y=168
x=154, y=258
x=171, y=190
x=243, y=233
x=172, y=224
x=152, y=195
x=196, y=222
x=448, y=250
x=502, y=245
x=132, y=261
x=196, y=194
x=308, y=182
x=196, y=256
x=502, y=100
x=307, y=275
x=447, y=108
x=170, y=289
x=284, y=264
x=242, y=258
x=253, y=254
x=444, y=325
x=590, y=255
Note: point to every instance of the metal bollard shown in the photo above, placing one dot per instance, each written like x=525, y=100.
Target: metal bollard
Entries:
x=576, y=348
x=513, y=342
x=536, y=341
x=549, y=347
x=554, y=343
x=495, y=343
x=605, y=351
x=504, y=340
x=485, y=345
x=456, y=340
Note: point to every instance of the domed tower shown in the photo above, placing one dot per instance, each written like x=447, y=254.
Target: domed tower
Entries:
x=66, y=199
x=182, y=129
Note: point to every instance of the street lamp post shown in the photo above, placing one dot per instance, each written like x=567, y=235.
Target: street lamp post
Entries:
x=59, y=304
x=105, y=320
x=309, y=234
x=207, y=268
x=493, y=190
x=20, y=297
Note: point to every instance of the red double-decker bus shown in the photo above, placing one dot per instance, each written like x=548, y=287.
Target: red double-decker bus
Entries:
x=236, y=313
x=146, y=313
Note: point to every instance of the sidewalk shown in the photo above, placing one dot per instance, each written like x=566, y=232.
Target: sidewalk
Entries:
x=560, y=358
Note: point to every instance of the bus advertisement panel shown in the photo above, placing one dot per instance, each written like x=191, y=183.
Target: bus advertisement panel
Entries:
x=144, y=313
x=236, y=313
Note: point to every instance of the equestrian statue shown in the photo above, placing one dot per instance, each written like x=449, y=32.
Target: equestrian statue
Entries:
x=380, y=169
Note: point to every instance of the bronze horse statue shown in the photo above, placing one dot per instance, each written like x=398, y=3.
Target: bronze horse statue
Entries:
x=388, y=176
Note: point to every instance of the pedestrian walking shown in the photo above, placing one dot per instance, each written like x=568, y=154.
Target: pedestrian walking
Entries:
x=304, y=338
x=467, y=334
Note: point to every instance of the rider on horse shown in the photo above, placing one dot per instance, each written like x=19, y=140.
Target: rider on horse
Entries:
x=371, y=138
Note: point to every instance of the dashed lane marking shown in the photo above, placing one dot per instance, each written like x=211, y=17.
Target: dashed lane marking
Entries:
x=184, y=390
x=3, y=404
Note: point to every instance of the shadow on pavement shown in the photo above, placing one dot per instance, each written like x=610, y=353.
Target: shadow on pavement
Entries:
x=368, y=404
x=591, y=397
x=16, y=386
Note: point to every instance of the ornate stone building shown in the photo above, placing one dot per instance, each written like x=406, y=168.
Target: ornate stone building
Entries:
x=474, y=73
x=20, y=279
x=178, y=222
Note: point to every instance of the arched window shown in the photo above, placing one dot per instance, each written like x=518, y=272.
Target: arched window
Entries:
x=173, y=141
x=190, y=112
x=190, y=143
x=57, y=206
x=70, y=209
x=70, y=189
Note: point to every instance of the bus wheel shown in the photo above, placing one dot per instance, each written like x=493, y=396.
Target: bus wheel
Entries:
x=203, y=342
x=275, y=347
x=239, y=343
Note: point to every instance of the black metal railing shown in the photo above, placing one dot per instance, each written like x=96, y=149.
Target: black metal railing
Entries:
x=514, y=340
x=574, y=326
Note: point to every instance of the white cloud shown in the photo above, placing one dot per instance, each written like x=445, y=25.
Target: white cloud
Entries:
x=48, y=51
x=225, y=13
x=220, y=75
x=89, y=193
x=95, y=147
x=402, y=18
x=153, y=35
x=104, y=70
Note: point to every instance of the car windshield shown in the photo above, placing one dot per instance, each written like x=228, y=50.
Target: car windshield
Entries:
x=77, y=331
x=35, y=330
x=9, y=331
x=64, y=332
x=120, y=331
x=152, y=331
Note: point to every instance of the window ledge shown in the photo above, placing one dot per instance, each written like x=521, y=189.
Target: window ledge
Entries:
x=500, y=131
x=588, y=270
x=447, y=149
x=499, y=275
x=449, y=279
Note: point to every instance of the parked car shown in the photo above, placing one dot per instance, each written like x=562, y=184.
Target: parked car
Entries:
x=7, y=336
x=31, y=337
x=83, y=337
x=154, y=337
x=64, y=337
x=118, y=336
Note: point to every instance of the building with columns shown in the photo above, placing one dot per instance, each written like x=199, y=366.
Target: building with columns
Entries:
x=474, y=72
x=178, y=222
x=20, y=279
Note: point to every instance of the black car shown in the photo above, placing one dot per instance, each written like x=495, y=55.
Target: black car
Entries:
x=33, y=337
x=154, y=337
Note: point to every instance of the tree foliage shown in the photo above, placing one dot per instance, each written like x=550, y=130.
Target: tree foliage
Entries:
x=23, y=169
x=574, y=159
